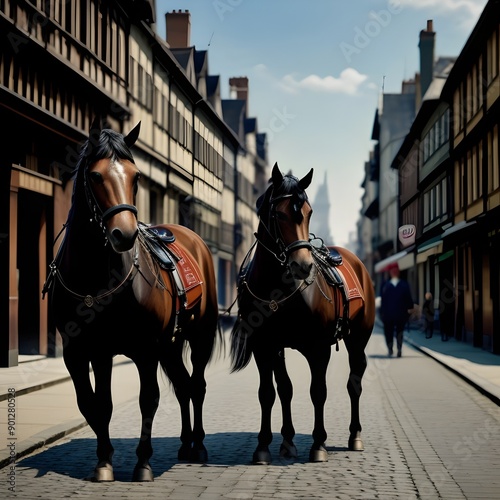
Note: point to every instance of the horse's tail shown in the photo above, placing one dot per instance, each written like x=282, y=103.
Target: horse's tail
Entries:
x=241, y=351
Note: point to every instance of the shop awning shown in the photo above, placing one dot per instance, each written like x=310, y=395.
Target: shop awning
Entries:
x=428, y=248
x=460, y=226
x=407, y=262
x=382, y=265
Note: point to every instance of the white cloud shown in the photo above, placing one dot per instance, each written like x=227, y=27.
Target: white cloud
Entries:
x=347, y=83
x=260, y=68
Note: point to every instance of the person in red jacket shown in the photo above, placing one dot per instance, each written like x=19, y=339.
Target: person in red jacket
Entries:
x=395, y=308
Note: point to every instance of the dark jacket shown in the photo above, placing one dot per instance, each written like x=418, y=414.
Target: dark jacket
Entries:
x=395, y=301
x=428, y=310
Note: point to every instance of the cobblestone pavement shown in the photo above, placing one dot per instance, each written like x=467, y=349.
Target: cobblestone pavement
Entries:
x=427, y=435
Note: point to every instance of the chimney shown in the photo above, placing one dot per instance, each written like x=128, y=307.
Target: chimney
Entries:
x=178, y=29
x=426, y=46
x=238, y=88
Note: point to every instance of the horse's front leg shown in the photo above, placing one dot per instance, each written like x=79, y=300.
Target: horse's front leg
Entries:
x=96, y=406
x=149, y=398
x=267, y=396
x=318, y=363
x=103, y=410
x=285, y=393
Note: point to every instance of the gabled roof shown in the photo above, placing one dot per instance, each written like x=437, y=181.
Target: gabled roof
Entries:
x=201, y=62
x=443, y=65
x=213, y=84
x=233, y=111
x=183, y=56
x=261, y=145
x=434, y=91
x=250, y=125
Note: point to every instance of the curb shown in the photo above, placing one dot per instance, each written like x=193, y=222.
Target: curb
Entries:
x=429, y=352
x=42, y=439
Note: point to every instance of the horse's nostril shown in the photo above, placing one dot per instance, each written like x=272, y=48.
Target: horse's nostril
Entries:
x=117, y=234
x=300, y=270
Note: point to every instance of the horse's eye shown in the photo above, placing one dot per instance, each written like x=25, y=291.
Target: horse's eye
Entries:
x=96, y=177
x=281, y=215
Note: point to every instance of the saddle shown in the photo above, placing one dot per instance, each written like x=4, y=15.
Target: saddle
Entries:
x=171, y=257
x=340, y=275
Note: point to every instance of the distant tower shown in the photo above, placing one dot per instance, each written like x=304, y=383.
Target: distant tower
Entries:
x=320, y=221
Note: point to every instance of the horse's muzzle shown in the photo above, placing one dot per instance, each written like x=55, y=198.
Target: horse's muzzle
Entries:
x=300, y=270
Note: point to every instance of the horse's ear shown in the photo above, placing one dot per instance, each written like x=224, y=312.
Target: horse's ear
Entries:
x=306, y=180
x=132, y=136
x=277, y=176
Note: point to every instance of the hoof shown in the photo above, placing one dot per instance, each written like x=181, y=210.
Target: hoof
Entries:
x=318, y=454
x=199, y=455
x=356, y=443
x=143, y=473
x=103, y=472
x=261, y=457
x=184, y=453
x=288, y=450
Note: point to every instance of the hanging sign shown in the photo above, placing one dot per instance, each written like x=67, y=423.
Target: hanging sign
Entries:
x=407, y=235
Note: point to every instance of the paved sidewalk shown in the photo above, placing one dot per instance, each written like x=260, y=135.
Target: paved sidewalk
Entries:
x=46, y=408
x=478, y=367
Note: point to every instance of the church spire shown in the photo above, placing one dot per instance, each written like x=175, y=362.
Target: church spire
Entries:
x=320, y=221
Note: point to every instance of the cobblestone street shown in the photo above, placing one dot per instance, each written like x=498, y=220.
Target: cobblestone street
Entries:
x=415, y=433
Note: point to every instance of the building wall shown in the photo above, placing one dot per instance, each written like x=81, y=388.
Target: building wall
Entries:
x=54, y=80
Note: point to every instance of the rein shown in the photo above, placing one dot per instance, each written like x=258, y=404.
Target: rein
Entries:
x=274, y=304
x=88, y=299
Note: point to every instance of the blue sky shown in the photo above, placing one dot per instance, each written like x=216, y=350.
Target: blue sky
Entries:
x=315, y=72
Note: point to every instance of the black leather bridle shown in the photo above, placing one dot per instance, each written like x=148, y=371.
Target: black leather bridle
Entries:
x=99, y=216
x=272, y=228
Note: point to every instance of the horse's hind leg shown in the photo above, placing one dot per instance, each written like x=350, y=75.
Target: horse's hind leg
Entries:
x=173, y=365
x=201, y=348
x=149, y=398
x=357, y=364
x=285, y=393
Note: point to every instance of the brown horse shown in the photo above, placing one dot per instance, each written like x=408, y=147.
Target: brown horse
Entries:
x=110, y=295
x=295, y=293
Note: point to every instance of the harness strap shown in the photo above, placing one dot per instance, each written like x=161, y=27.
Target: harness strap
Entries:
x=110, y=212
x=296, y=245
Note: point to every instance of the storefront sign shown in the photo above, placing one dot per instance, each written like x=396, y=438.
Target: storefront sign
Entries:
x=407, y=235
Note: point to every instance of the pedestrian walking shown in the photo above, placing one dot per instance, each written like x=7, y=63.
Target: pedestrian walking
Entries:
x=395, y=308
x=428, y=313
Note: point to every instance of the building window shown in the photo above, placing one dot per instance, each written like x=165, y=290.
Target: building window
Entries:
x=492, y=50
x=493, y=164
x=141, y=84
